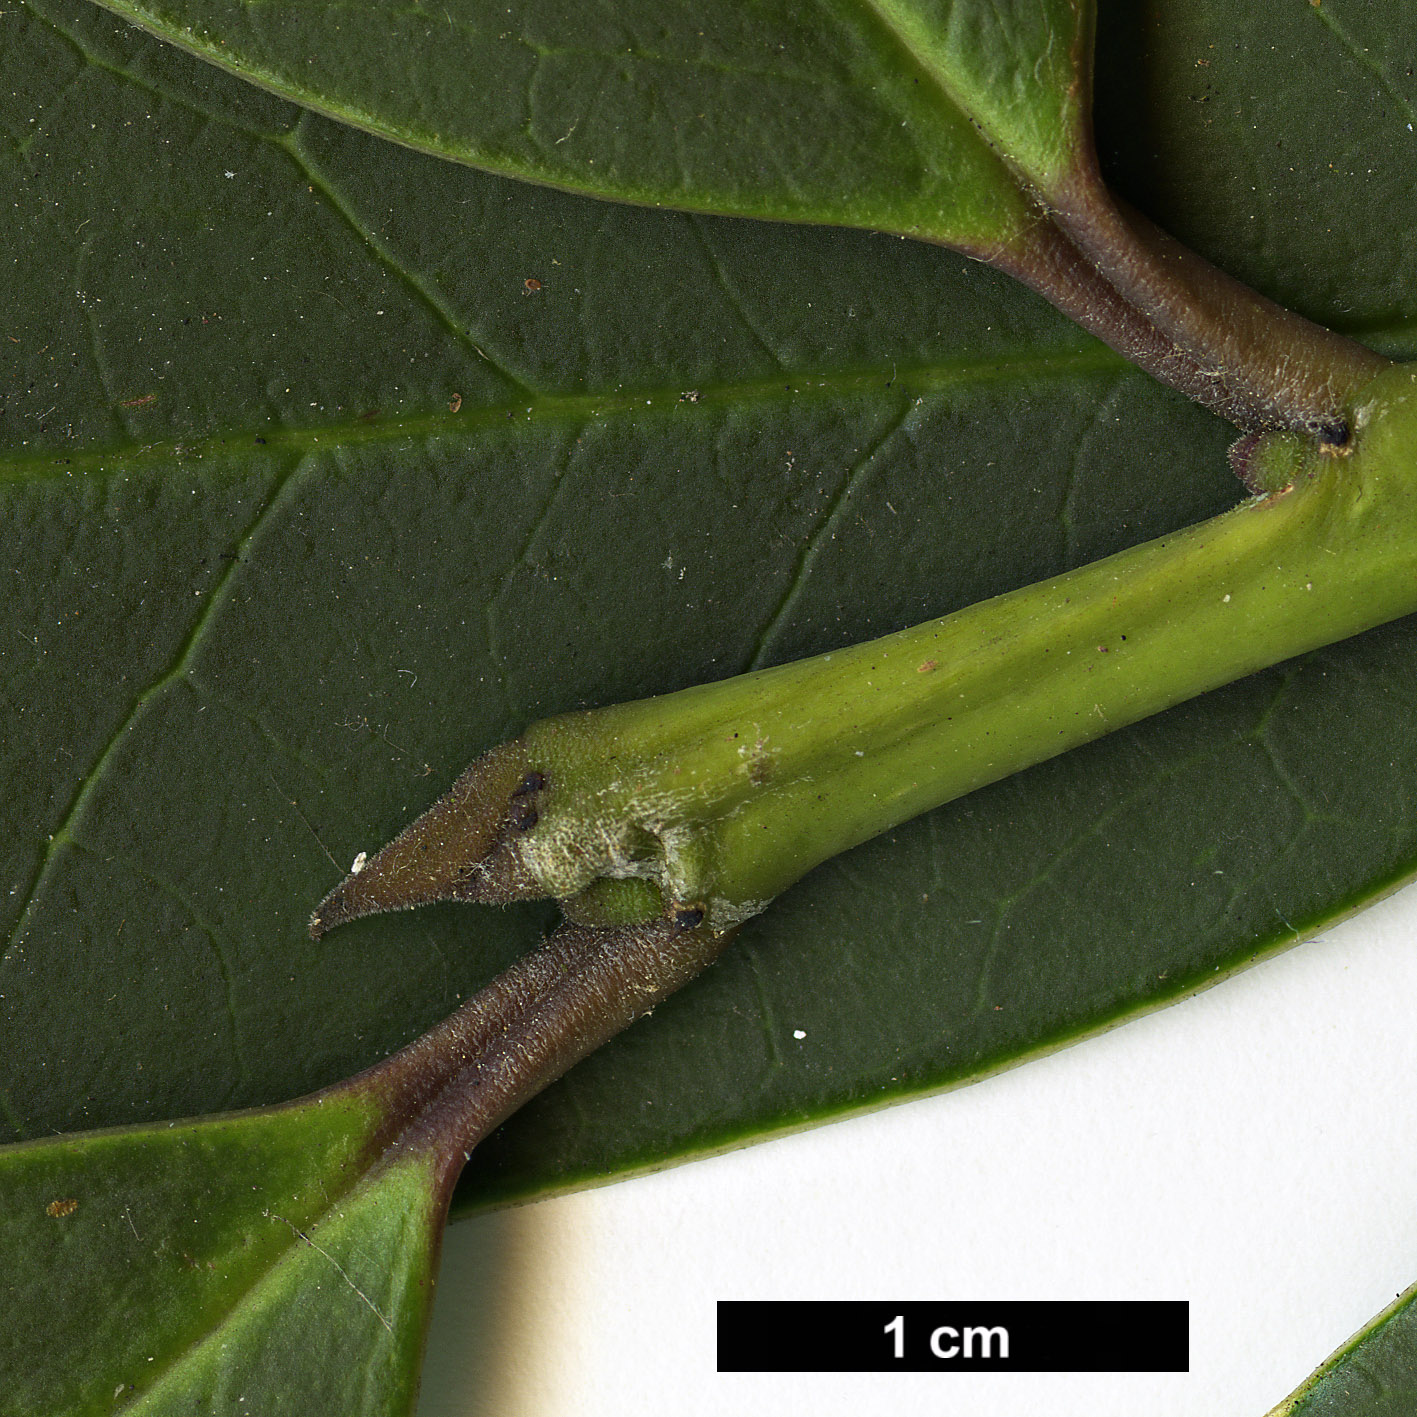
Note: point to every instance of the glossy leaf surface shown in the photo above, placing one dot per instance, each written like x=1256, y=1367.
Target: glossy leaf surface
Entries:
x=329, y=464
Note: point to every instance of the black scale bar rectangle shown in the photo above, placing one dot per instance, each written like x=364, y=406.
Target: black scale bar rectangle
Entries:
x=1083, y=1336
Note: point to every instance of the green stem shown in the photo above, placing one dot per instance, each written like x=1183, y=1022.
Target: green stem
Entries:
x=709, y=802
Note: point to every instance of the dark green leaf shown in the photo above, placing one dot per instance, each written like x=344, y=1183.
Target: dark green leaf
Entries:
x=904, y=115
x=268, y=592
x=252, y=1263
x=1374, y=1374
x=283, y=1260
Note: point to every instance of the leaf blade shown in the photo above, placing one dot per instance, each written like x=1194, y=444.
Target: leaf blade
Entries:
x=903, y=117
x=298, y=735
x=1372, y=1375
x=220, y=1261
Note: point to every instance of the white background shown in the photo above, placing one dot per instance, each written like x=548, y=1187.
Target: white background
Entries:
x=1251, y=1150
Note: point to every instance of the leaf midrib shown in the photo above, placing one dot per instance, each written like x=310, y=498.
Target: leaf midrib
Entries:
x=1397, y=338
x=881, y=14
x=660, y=400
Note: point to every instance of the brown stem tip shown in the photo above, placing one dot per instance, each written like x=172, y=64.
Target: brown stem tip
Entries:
x=459, y=849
